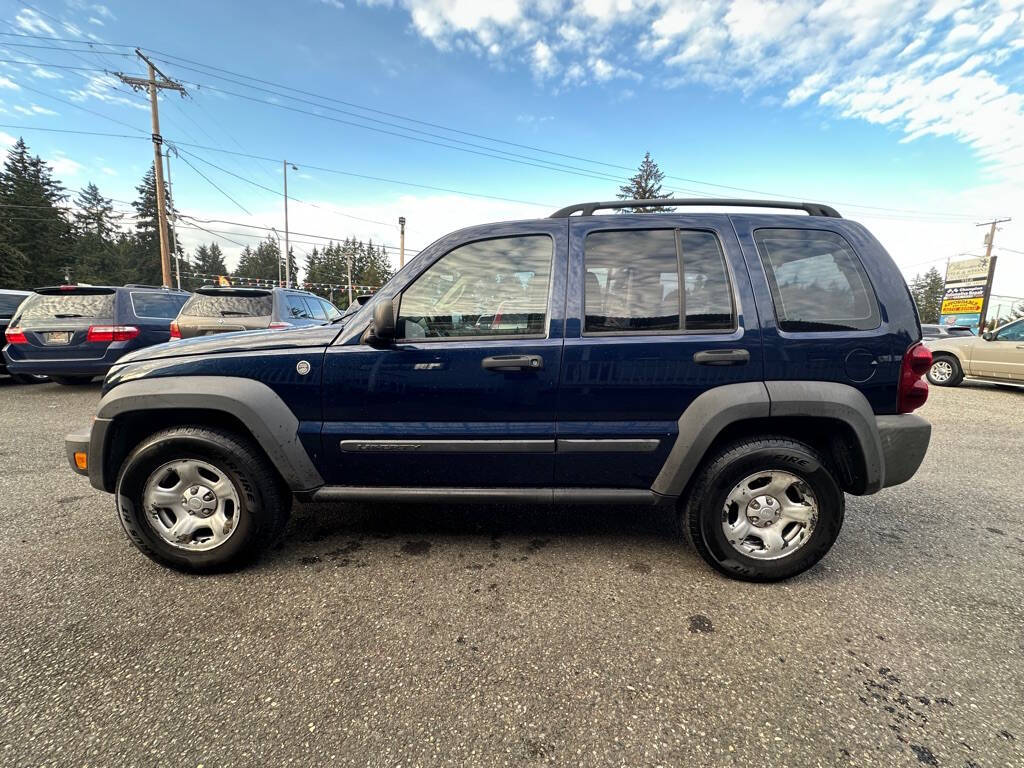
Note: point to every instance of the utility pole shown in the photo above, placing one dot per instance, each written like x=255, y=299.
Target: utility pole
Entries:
x=401, y=242
x=153, y=86
x=989, y=240
x=174, y=218
x=287, y=261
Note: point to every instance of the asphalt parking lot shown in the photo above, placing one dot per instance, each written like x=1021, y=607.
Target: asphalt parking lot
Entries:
x=480, y=636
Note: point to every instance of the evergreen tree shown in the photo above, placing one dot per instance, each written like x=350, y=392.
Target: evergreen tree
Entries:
x=927, y=291
x=95, y=226
x=209, y=260
x=32, y=223
x=144, y=264
x=645, y=185
x=262, y=261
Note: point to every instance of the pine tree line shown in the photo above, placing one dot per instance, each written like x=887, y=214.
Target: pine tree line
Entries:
x=46, y=241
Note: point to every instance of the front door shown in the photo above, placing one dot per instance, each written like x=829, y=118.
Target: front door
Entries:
x=466, y=395
x=656, y=317
x=1003, y=356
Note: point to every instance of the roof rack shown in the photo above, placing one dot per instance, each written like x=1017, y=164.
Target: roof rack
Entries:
x=587, y=209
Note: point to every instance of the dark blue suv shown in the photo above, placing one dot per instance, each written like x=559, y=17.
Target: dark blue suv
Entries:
x=73, y=333
x=743, y=371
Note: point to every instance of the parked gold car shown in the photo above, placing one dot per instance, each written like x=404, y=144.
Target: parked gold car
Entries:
x=994, y=356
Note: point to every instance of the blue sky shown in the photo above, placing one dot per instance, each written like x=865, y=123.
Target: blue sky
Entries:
x=908, y=116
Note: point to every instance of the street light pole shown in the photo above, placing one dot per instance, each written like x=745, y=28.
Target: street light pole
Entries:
x=174, y=218
x=401, y=242
x=287, y=260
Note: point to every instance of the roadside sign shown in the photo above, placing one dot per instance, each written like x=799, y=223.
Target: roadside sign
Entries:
x=964, y=293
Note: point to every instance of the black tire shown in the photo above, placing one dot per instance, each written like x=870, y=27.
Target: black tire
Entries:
x=265, y=503
x=954, y=378
x=703, y=511
x=27, y=378
x=72, y=381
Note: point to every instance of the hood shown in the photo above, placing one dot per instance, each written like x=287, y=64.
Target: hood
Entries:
x=241, y=341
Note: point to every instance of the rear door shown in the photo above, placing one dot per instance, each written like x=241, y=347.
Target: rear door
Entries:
x=466, y=395
x=822, y=316
x=653, y=300
x=56, y=323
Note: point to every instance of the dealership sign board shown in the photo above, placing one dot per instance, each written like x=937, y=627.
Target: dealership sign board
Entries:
x=964, y=292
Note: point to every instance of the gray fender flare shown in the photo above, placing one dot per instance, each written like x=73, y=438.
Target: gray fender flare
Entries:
x=716, y=409
x=254, y=404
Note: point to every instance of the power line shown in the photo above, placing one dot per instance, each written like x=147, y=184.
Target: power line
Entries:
x=332, y=238
x=214, y=185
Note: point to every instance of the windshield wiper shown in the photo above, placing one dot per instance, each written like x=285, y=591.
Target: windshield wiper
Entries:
x=65, y=316
x=233, y=313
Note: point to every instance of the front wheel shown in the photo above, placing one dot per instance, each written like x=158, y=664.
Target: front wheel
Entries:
x=764, y=509
x=945, y=371
x=200, y=500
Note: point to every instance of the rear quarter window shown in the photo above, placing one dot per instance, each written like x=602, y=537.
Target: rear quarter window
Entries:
x=164, y=306
x=817, y=281
x=228, y=306
x=68, y=306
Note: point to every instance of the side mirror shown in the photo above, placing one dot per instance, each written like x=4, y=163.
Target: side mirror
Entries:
x=988, y=335
x=382, y=331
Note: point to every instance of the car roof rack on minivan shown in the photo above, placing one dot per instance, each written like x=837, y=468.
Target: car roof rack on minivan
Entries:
x=587, y=209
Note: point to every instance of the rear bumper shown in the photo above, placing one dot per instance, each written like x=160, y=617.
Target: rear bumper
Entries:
x=93, y=442
x=94, y=367
x=904, y=441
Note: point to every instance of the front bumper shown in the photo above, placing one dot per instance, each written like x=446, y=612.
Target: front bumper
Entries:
x=92, y=442
x=904, y=441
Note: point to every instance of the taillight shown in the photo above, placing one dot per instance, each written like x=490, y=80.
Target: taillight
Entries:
x=175, y=330
x=107, y=333
x=15, y=336
x=913, y=389
x=277, y=325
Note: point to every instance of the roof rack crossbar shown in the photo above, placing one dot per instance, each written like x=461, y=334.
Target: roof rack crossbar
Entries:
x=587, y=209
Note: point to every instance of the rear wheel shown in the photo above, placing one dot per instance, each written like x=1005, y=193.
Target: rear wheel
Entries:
x=200, y=500
x=72, y=381
x=945, y=371
x=764, y=509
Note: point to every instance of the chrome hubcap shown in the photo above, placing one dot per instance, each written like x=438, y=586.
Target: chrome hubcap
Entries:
x=191, y=504
x=941, y=370
x=769, y=515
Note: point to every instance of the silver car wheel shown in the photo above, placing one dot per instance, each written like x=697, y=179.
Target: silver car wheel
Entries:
x=941, y=371
x=769, y=515
x=191, y=504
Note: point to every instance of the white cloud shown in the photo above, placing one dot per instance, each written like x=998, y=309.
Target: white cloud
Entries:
x=333, y=4
x=45, y=74
x=6, y=82
x=6, y=140
x=103, y=88
x=544, y=63
x=94, y=20
x=920, y=67
x=108, y=171
x=64, y=166
x=34, y=109
x=32, y=22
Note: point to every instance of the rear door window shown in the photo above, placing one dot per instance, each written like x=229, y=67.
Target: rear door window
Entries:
x=316, y=310
x=162, y=306
x=632, y=282
x=9, y=303
x=62, y=306
x=817, y=281
x=201, y=305
x=296, y=308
